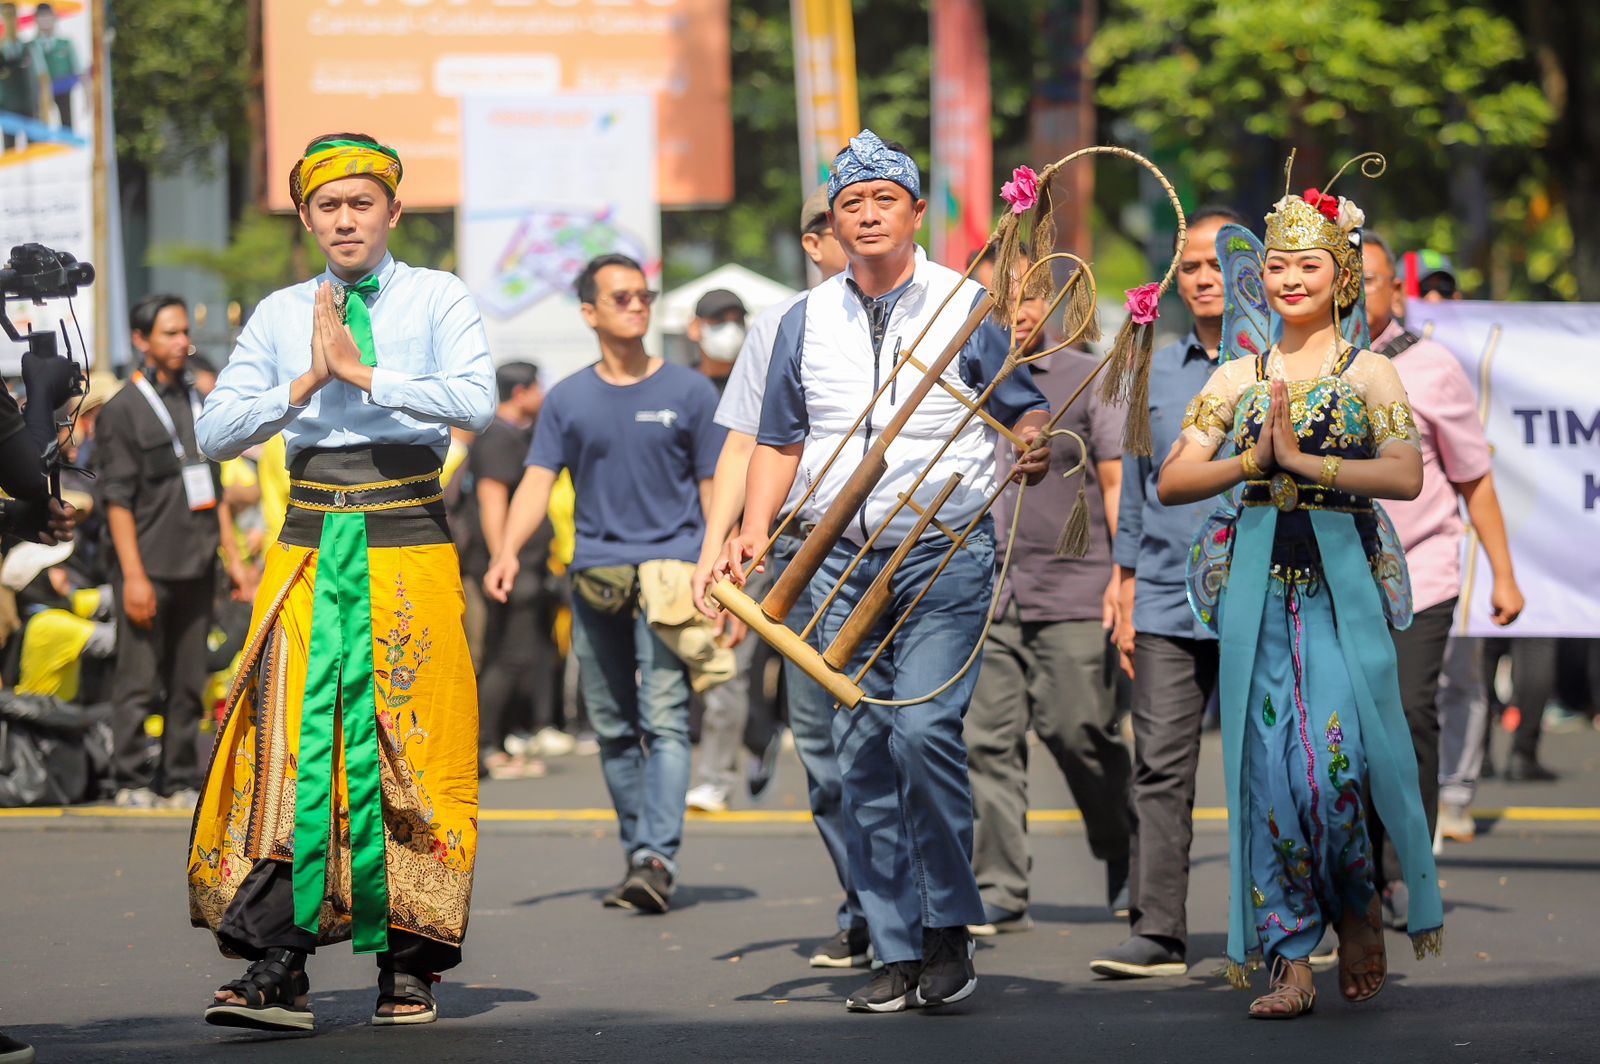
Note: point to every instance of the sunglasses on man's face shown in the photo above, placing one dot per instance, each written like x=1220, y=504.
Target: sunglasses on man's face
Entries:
x=624, y=300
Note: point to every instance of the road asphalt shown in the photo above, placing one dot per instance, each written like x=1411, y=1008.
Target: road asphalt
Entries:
x=99, y=962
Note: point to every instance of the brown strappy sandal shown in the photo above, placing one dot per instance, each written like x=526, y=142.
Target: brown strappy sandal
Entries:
x=1287, y=999
x=1370, y=957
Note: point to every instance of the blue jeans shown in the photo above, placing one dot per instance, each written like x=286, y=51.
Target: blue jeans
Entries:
x=637, y=694
x=906, y=793
x=811, y=723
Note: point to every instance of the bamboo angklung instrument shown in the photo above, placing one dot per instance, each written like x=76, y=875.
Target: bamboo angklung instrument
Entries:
x=767, y=618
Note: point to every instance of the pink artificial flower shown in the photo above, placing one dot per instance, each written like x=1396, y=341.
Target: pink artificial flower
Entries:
x=1144, y=303
x=1022, y=191
x=1248, y=344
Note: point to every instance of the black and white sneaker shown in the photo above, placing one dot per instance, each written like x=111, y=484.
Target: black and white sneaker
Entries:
x=947, y=972
x=847, y=949
x=893, y=989
x=648, y=887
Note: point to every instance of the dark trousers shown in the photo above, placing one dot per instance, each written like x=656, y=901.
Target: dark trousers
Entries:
x=1419, y=655
x=1053, y=677
x=517, y=683
x=162, y=669
x=1533, y=683
x=1174, y=680
x=261, y=917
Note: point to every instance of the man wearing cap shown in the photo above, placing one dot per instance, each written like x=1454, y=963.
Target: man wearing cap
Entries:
x=810, y=708
x=342, y=800
x=1429, y=276
x=718, y=329
x=907, y=799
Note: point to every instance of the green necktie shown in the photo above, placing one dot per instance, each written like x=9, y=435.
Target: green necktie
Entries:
x=359, y=318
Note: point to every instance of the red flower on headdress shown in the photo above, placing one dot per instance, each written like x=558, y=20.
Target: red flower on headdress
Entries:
x=1328, y=205
x=1249, y=345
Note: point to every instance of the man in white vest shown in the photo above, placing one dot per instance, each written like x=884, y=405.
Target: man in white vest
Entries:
x=907, y=800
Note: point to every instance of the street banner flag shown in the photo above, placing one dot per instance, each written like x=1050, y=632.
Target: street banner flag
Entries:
x=825, y=84
x=963, y=157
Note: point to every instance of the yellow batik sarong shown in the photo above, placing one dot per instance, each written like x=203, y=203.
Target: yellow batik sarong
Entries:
x=426, y=710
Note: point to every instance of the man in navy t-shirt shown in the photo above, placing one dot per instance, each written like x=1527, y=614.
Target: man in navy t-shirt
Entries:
x=641, y=442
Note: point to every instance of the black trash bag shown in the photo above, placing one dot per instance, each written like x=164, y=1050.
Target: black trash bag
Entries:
x=43, y=758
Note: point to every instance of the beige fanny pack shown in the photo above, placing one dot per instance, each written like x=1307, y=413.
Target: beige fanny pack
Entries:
x=667, y=599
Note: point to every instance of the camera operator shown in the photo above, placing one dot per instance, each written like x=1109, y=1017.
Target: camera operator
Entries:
x=161, y=503
x=29, y=513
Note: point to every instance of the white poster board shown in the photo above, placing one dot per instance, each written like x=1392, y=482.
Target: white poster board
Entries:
x=547, y=185
x=1536, y=367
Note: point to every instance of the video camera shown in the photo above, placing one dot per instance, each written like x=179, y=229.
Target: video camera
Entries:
x=38, y=273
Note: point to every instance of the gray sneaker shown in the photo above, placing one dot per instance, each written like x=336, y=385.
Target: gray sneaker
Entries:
x=1140, y=957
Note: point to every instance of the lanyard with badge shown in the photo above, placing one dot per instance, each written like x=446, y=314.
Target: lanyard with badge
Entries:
x=197, y=485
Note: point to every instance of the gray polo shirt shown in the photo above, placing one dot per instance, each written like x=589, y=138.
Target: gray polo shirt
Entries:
x=1045, y=585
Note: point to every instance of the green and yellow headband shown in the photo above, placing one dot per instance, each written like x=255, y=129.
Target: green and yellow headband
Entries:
x=335, y=159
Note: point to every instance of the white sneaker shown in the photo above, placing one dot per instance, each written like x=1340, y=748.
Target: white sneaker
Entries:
x=185, y=799
x=552, y=742
x=707, y=798
x=1456, y=824
x=137, y=798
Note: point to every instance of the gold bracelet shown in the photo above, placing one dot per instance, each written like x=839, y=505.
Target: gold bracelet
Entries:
x=1330, y=470
x=1252, y=468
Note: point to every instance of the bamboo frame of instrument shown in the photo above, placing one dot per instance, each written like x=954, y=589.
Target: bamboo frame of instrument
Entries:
x=876, y=600
x=808, y=559
x=786, y=642
x=1019, y=355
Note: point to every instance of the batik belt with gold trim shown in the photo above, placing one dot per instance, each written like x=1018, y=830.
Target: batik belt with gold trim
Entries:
x=366, y=498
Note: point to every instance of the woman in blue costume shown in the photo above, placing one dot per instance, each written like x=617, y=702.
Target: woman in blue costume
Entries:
x=1303, y=578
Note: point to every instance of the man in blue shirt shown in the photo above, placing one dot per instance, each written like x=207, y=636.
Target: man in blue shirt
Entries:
x=641, y=442
x=1171, y=656
x=907, y=800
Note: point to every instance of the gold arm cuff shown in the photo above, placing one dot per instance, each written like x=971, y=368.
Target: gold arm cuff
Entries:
x=1330, y=470
x=1252, y=468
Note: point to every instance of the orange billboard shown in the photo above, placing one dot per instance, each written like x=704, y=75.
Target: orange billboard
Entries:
x=398, y=69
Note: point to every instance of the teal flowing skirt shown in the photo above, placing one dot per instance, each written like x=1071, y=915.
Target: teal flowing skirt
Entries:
x=1310, y=857
x=1311, y=718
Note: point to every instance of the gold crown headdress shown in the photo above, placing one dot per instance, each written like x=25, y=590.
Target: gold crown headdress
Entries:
x=1318, y=220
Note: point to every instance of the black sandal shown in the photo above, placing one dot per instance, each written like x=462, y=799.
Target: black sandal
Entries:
x=270, y=988
x=402, y=988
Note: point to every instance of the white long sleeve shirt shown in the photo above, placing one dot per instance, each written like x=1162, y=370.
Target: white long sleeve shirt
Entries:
x=433, y=371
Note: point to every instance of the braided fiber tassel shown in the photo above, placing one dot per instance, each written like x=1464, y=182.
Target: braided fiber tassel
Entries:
x=1127, y=383
x=1074, y=541
x=1080, y=319
x=1136, y=432
x=1010, y=251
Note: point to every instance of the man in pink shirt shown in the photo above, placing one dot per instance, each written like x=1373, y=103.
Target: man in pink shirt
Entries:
x=1455, y=466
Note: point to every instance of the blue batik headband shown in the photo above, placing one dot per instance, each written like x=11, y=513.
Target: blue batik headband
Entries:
x=870, y=159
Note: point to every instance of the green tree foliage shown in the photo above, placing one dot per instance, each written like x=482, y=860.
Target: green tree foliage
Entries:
x=180, y=78
x=1443, y=88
